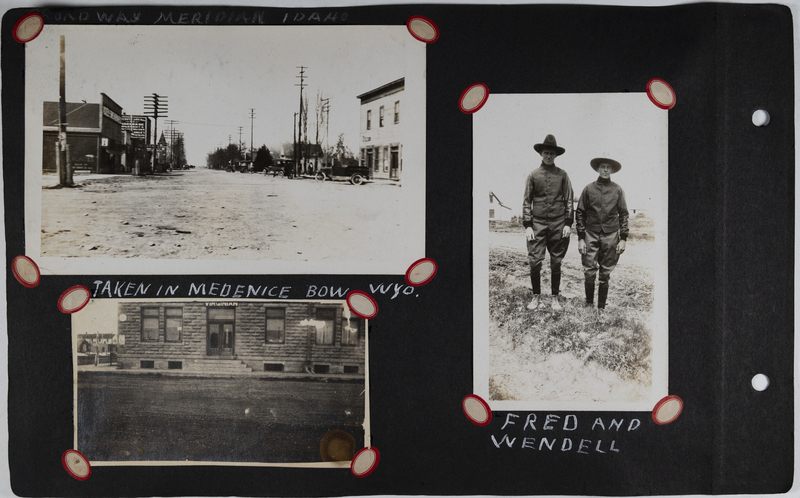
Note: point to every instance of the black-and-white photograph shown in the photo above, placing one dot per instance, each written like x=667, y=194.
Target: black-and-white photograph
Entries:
x=570, y=251
x=263, y=148
x=272, y=382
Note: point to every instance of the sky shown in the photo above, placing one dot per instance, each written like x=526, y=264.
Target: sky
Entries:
x=213, y=75
x=626, y=127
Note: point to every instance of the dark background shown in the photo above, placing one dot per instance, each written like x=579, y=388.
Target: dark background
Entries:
x=731, y=267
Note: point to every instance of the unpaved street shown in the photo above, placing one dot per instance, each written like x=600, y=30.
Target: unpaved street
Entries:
x=210, y=214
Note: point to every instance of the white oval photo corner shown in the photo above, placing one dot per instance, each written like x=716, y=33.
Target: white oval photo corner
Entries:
x=362, y=304
x=421, y=272
x=473, y=98
x=28, y=28
x=760, y=117
x=76, y=464
x=422, y=29
x=364, y=462
x=661, y=93
x=74, y=299
x=760, y=382
x=26, y=271
x=475, y=410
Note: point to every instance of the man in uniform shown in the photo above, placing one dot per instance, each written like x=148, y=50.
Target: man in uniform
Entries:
x=602, y=223
x=547, y=216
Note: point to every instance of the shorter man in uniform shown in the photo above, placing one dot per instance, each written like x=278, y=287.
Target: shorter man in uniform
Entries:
x=602, y=223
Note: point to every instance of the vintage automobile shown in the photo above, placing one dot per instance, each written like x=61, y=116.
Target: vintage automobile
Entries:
x=353, y=173
x=281, y=167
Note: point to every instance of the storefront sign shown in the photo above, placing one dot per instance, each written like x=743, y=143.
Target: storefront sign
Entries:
x=111, y=114
x=137, y=125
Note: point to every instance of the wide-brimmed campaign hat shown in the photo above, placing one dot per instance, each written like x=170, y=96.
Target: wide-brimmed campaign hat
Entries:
x=597, y=161
x=549, y=143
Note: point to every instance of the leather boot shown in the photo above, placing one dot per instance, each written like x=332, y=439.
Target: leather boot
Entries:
x=589, y=286
x=536, y=283
x=555, y=283
x=602, y=294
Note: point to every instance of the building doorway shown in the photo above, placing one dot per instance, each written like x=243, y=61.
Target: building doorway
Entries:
x=395, y=163
x=221, y=336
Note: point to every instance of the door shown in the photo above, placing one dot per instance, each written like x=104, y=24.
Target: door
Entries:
x=395, y=164
x=221, y=336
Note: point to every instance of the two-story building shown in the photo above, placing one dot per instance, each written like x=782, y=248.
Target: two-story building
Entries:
x=315, y=337
x=381, y=137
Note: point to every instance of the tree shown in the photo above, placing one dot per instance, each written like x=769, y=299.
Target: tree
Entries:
x=222, y=157
x=263, y=159
x=342, y=153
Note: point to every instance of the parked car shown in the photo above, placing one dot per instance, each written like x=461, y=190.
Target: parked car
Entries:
x=353, y=173
x=281, y=167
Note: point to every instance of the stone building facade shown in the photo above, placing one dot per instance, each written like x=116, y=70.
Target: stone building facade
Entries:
x=314, y=337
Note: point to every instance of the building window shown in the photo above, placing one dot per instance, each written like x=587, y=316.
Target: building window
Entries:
x=363, y=158
x=174, y=324
x=147, y=364
x=385, y=159
x=149, y=324
x=273, y=367
x=175, y=365
x=325, y=333
x=276, y=326
x=351, y=369
x=322, y=369
x=352, y=330
x=380, y=117
x=491, y=214
x=397, y=112
x=369, y=119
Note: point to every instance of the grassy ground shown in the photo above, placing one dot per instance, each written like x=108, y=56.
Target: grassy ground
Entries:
x=153, y=418
x=577, y=353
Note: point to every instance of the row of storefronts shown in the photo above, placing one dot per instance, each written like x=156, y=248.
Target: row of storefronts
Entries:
x=100, y=138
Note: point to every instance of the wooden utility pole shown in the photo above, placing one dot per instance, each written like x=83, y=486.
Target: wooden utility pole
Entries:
x=252, y=116
x=62, y=163
x=155, y=105
x=299, y=156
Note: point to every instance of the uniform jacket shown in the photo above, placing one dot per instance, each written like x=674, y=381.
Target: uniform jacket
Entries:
x=602, y=209
x=548, y=196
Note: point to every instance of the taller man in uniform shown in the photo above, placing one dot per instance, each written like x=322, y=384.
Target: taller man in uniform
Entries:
x=547, y=216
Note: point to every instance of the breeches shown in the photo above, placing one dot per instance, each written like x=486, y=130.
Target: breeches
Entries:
x=601, y=253
x=547, y=237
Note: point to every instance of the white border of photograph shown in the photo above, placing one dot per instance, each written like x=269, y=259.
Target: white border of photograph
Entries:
x=504, y=132
x=96, y=314
x=407, y=243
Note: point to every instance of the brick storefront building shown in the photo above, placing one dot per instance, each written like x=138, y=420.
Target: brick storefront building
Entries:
x=320, y=337
x=94, y=136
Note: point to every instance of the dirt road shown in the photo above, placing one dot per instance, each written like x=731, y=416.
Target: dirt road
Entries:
x=208, y=214
x=244, y=419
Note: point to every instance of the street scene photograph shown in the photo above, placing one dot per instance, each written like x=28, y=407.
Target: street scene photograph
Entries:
x=570, y=252
x=187, y=146
x=242, y=381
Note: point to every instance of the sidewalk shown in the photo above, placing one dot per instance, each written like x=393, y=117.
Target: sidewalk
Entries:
x=51, y=179
x=112, y=370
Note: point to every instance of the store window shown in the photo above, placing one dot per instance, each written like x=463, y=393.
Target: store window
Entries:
x=174, y=324
x=352, y=330
x=276, y=326
x=149, y=324
x=325, y=333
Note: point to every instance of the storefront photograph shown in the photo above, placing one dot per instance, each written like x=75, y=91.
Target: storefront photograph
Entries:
x=273, y=382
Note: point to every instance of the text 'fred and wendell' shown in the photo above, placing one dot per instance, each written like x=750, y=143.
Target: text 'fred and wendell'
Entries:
x=563, y=437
